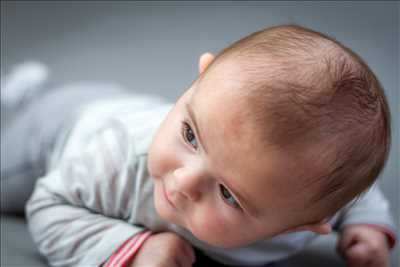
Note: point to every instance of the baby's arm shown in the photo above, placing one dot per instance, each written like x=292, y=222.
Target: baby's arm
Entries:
x=367, y=231
x=76, y=211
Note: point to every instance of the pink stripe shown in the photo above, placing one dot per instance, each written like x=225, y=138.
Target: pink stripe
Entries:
x=117, y=254
x=391, y=236
x=111, y=261
x=127, y=256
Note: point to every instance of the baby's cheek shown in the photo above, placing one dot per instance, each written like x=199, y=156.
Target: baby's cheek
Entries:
x=214, y=222
x=213, y=228
x=161, y=159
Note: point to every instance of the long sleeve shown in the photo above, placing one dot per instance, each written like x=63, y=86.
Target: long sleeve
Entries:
x=371, y=209
x=78, y=213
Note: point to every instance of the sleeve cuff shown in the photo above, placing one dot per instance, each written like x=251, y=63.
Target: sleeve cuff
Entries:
x=389, y=233
x=127, y=250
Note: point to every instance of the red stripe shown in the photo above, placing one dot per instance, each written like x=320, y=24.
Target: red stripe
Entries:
x=112, y=259
x=132, y=251
x=127, y=250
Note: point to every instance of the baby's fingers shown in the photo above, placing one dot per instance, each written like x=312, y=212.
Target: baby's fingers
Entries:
x=358, y=255
x=346, y=240
x=184, y=260
x=189, y=253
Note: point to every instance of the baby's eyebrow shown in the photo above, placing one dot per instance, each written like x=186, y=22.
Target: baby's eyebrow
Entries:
x=197, y=129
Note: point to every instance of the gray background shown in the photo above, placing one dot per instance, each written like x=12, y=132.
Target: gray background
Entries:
x=154, y=46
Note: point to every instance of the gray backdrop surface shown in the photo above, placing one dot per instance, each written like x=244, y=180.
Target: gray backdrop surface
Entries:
x=154, y=46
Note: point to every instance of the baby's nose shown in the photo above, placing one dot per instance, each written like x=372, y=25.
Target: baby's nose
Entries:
x=187, y=183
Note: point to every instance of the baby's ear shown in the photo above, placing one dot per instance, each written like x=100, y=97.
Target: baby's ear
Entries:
x=323, y=228
x=204, y=61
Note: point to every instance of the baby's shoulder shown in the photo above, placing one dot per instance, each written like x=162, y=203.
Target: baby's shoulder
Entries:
x=128, y=121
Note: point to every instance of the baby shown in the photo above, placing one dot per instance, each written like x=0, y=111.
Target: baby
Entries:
x=280, y=139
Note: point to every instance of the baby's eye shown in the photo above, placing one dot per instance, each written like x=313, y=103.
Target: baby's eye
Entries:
x=188, y=135
x=227, y=196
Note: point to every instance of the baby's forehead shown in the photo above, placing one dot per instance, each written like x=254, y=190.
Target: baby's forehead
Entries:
x=224, y=113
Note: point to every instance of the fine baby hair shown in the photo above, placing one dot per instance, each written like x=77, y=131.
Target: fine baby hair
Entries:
x=311, y=93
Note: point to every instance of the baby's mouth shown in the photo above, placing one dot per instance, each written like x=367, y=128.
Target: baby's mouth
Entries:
x=167, y=196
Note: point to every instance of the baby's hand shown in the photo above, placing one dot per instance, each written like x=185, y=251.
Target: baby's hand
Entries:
x=363, y=246
x=164, y=249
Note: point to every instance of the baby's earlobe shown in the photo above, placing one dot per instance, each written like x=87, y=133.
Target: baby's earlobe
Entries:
x=204, y=61
x=322, y=228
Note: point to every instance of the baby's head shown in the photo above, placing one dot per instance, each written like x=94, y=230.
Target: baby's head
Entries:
x=280, y=130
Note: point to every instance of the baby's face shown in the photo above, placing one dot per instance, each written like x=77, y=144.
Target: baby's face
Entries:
x=213, y=176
